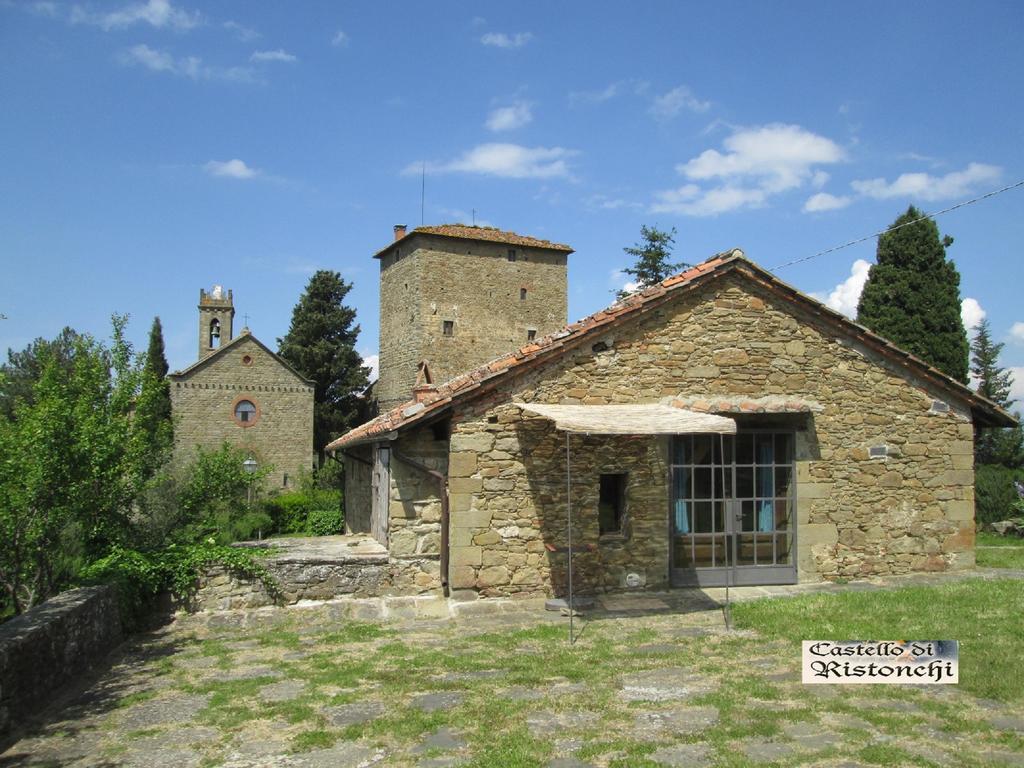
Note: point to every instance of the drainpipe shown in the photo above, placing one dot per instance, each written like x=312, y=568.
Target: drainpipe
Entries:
x=442, y=487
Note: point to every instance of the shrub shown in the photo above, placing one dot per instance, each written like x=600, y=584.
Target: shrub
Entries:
x=995, y=497
x=324, y=522
x=288, y=512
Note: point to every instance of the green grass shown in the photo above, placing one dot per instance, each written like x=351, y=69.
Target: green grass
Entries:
x=989, y=539
x=997, y=551
x=985, y=616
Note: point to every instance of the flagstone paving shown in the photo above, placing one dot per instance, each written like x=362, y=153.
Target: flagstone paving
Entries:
x=303, y=687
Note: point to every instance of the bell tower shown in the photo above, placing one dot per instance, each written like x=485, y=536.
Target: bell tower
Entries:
x=216, y=319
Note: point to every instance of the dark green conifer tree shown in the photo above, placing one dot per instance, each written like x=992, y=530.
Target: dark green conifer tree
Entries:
x=320, y=344
x=153, y=428
x=912, y=295
x=651, y=264
x=994, y=445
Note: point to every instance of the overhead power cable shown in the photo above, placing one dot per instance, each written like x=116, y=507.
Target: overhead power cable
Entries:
x=899, y=226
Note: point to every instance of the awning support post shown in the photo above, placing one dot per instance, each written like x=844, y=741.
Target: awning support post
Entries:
x=568, y=513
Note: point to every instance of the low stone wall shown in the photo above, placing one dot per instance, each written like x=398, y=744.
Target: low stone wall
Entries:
x=51, y=644
x=322, y=568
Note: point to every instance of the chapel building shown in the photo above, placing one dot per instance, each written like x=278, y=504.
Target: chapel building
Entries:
x=239, y=391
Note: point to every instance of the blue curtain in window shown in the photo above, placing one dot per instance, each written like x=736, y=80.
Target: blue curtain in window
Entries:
x=680, y=493
x=682, y=517
x=765, y=506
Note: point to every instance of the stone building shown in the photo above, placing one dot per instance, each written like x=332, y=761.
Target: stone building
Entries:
x=453, y=297
x=240, y=392
x=718, y=428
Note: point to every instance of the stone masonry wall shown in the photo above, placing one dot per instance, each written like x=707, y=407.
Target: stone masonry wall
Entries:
x=414, y=513
x=52, y=644
x=203, y=403
x=856, y=516
x=474, y=285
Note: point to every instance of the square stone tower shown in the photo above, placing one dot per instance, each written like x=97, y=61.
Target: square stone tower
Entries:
x=216, y=319
x=457, y=296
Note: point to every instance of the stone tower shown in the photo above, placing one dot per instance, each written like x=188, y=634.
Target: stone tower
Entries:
x=216, y=319
x=456, y=296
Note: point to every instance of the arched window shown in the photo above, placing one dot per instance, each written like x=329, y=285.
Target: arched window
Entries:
x=214, y=333
x=246, y=413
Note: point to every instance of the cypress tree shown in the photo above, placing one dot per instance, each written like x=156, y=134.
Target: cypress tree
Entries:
x=912, y=295
x=994, y=445
x=153, y=428
x=320, y=344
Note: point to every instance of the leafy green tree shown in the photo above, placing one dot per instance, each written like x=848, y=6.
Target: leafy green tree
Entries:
x=912, y=295
x=652, y=264
x=66, y=479
x=23, y=369
x=320, y=344
x=994, y=445
x=153, y=430
x=215, y=499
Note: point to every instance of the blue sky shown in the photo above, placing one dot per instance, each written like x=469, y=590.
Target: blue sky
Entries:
x=148, y=149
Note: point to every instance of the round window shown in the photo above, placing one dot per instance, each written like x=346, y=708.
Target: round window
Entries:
x=246, y=412
x=246, y=360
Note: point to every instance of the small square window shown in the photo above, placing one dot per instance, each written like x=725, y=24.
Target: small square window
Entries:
x=531, y=334
x=522, y=294
x=511, y=254
x=448, y=327
x=611, y=504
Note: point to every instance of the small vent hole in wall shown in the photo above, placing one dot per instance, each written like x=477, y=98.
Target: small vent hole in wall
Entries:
x=492, y=419
x=878, y=451
x=939, y=407
x=599, y=347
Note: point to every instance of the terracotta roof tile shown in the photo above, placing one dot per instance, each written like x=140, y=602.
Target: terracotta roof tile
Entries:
x=551, y=344
x=490, y=234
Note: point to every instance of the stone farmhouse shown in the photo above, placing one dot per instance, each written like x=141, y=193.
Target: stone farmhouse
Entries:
x=718, y=428
x=240, y=392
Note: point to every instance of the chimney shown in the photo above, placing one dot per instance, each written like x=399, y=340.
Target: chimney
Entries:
x=399, y=231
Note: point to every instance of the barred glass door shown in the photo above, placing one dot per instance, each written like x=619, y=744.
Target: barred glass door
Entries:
x=731, y=507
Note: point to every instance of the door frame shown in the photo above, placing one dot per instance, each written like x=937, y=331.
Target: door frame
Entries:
x=735, y=575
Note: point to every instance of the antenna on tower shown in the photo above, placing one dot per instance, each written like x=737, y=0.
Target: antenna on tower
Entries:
x=423, y=190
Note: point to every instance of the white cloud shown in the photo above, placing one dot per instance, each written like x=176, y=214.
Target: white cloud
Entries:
x=924, y=186
x=757, y=163
x=779, y=156
x=972, y=314
x=156, y=13
x=845, y=296
x=1017, y=332
x=670, y=104
x=45, y=8
x=509, y=118
x=605, y=203
x=232, y=169
x=620, y=280
x=501, y=40
x=340, y=38
x=158, y=61
x=459, y=216
x=510, y=161
x=823, y=201
x=595, y=97
x=188, y=66
x=242, y=32
x=278, y=55
x=373, y=363
x=690, y=200
x=1017, y=387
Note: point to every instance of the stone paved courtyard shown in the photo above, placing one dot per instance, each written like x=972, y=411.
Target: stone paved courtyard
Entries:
x=305, y=686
